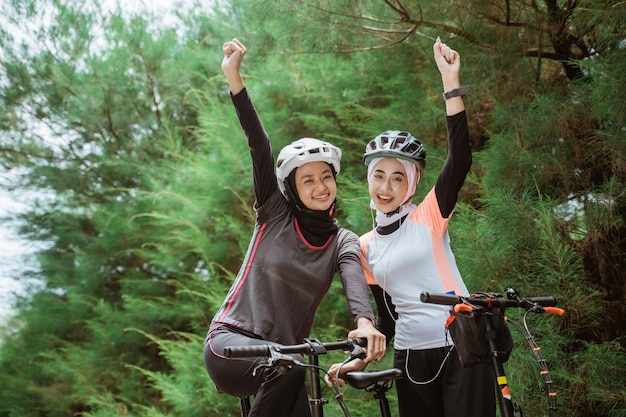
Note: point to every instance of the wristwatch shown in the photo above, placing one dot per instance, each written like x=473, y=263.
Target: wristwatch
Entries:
x=461, y=91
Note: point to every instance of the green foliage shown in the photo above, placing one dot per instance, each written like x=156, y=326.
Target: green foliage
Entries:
x=123, y=128
x=186, y=389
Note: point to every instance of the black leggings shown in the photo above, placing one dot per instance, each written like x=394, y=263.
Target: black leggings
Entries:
x=275, y=394
x=456, y=392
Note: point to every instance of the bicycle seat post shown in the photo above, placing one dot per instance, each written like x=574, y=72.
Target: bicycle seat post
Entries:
x=376, y=383
x=380, y=396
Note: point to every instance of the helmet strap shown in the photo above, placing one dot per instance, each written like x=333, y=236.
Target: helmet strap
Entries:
x=392, y=212
x=385, y=219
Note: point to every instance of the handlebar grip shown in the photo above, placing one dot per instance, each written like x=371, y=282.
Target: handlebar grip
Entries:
x=347, y=344
x=462, y=307
x=543, y=301
x=361, y=341
x=446, y=299
x=246, y=351
x=554, y=310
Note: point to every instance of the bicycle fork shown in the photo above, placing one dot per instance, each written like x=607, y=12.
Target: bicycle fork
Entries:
x=507, y=407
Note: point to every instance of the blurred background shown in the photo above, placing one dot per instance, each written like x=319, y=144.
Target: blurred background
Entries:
x=127, y=193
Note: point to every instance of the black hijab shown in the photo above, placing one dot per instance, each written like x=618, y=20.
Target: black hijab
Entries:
x=316, y=225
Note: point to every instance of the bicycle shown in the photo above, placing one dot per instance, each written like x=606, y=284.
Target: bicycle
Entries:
x=377, y=383
x=480, y=336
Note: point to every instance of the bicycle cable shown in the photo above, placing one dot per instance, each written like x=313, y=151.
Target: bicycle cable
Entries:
x=338, y=392
x=541, y=362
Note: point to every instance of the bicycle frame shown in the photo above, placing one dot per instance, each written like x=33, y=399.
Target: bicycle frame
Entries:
x=495, y=302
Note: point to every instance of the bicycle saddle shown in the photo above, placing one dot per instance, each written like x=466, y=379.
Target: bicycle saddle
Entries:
x=360, y=380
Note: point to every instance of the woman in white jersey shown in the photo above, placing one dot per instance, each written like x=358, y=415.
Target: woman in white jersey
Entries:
x=409, y=252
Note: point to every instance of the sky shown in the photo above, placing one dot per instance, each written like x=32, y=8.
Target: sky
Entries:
x=14, y=251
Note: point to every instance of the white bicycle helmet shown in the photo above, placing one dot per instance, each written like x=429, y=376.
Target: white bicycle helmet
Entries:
x=303, y=151
x=396, y=144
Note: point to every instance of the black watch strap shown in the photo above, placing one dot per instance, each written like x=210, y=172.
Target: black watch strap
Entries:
x=461, y=91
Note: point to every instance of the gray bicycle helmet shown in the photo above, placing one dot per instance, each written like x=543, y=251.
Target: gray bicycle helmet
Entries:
x=396, y=144
x=303, y=151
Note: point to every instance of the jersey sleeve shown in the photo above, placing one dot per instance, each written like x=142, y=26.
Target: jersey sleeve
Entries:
x=260, y=148
x=364, y=244
x=457, y=164
x=428, y=212
x=351, y=273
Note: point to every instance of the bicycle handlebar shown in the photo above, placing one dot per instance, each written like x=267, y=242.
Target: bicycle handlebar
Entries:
x=494, y=300
x=311, y=347
x=449, y=299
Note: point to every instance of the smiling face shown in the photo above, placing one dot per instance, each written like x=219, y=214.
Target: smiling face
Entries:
x=315, y=185
x=388, y=184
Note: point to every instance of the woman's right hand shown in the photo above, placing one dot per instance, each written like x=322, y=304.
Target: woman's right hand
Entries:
x=234, y=52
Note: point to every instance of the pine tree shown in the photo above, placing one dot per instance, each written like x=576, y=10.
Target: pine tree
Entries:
x=144, y=173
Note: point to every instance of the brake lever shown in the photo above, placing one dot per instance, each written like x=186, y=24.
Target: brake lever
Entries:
x=357, y=353
x=279, y=361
